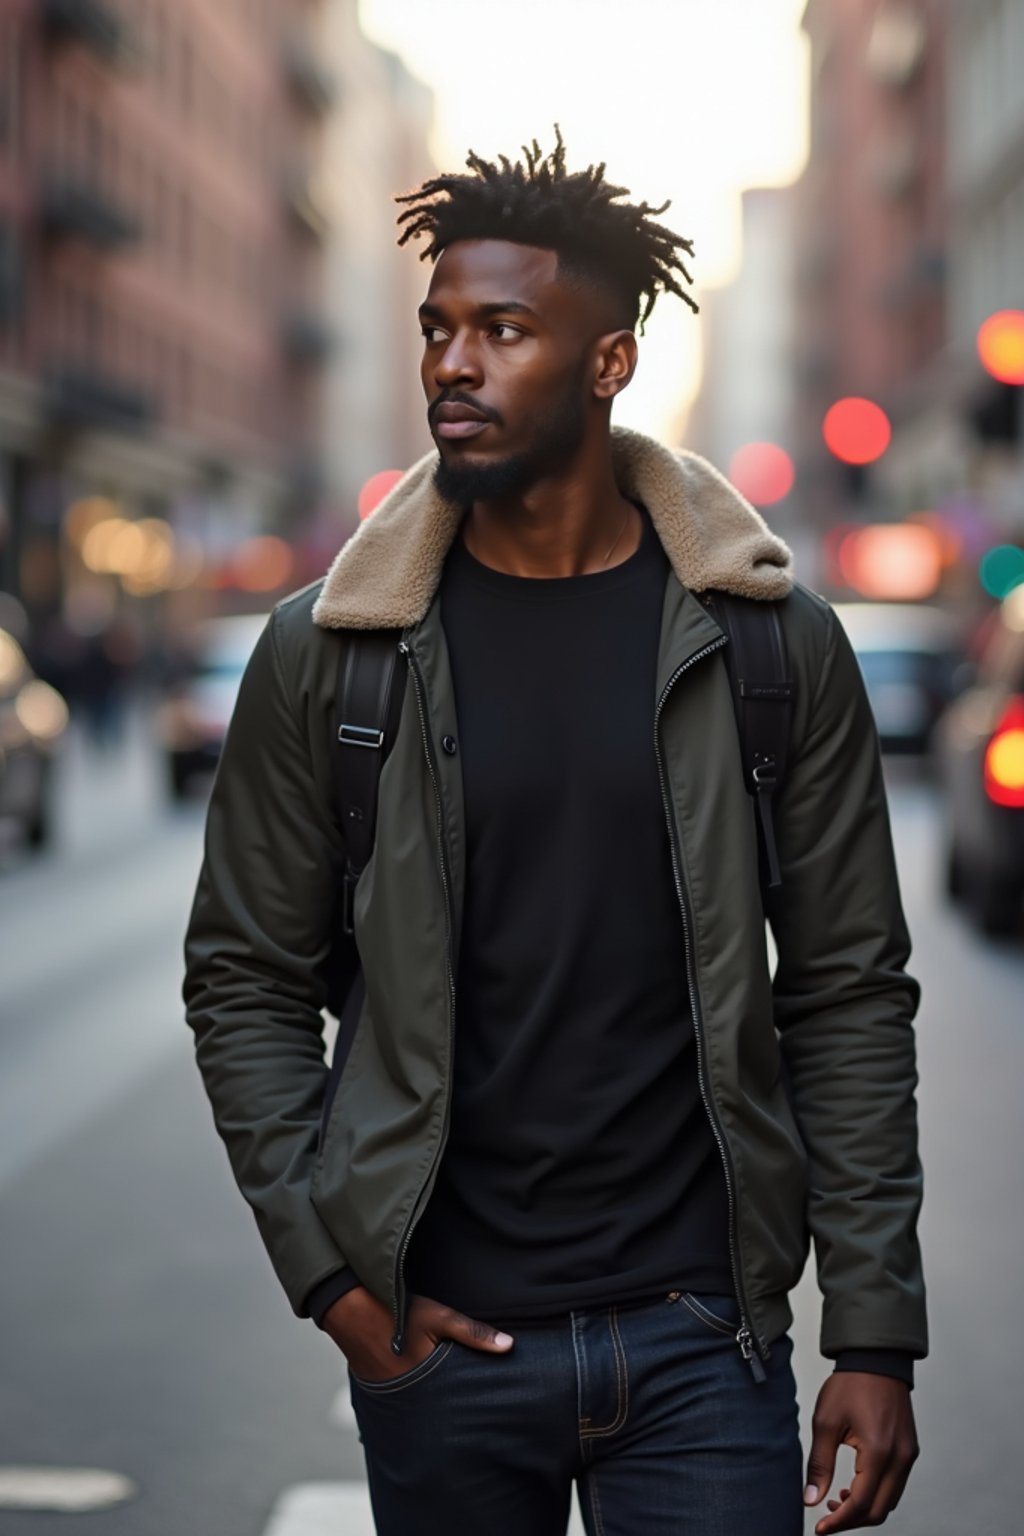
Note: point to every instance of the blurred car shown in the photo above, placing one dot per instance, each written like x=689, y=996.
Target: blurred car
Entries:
x=912, y=663
x=193, y=720
x=33, y=718
x=980, y=749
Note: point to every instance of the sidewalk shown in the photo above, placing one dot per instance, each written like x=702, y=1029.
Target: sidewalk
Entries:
x=105, y=795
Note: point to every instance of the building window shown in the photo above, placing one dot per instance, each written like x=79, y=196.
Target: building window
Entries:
x=10, y=83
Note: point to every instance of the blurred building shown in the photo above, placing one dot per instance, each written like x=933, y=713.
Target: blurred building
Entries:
x=986, y=243
x=871, y=252
x=374, y=411
x=162, y=234
x=746, y=342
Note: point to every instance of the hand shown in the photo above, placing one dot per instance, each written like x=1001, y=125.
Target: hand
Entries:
x=363, y=1329
x=873, y=1414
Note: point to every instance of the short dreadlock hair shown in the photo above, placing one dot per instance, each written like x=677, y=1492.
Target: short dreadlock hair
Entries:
x=536, y=201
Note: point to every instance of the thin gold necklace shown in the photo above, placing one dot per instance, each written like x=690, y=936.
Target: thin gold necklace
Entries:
x=618, y=536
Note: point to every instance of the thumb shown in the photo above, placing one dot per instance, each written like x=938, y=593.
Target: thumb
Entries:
x=466, y=1330
x=821, y=1463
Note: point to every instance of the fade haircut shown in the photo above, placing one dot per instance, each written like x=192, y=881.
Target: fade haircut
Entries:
x=577, y=214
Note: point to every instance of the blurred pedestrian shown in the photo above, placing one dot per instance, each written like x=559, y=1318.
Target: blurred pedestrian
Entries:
x=108, y=666
x=552, y=1196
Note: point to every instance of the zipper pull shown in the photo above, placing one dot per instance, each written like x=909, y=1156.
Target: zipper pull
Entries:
x=397, y=1342
x=745, y=1340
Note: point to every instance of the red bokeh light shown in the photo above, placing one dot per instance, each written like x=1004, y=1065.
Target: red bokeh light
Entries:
x=1001, y=345
x=856, y=430
x=375, y=489
x=762, y=472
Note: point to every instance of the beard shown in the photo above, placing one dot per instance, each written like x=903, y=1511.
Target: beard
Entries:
x=554, y=439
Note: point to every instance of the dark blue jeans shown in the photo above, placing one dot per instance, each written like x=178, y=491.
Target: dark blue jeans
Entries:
x=651, y=1409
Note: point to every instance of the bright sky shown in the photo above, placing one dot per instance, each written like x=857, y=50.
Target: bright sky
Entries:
x=687, y=99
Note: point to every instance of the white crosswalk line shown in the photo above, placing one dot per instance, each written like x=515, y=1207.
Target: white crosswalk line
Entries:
x=337, y=1509
x=71, y=1489
x=322, y=1509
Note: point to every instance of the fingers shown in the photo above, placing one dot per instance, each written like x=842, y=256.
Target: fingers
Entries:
x=475, y=1335
x=865, y=1502
x=881, y=1474
x=906, y=1465
x=826, y=1436
x=873, y=1414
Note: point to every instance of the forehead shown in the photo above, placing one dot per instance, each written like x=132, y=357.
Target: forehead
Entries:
x=496, y=271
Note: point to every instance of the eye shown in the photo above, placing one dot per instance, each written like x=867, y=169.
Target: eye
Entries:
x=502, y=331
x=431, y=333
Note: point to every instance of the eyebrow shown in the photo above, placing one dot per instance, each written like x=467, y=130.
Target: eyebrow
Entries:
x=506, y=307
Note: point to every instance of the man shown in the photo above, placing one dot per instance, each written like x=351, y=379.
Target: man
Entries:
x=552, y=1210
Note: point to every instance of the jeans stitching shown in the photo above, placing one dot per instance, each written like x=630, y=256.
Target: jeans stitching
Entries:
x=595, y=1502
x=409, y=1378
x=580, y=1372
x=703, y=1315
x=621, y=1382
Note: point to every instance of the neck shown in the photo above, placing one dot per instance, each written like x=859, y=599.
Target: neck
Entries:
x=570, y=523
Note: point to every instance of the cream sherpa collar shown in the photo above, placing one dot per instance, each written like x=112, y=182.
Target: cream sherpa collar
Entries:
x=386, y=575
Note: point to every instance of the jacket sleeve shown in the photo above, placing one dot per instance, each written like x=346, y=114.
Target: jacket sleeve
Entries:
x=844, y=1009
x=257, y=955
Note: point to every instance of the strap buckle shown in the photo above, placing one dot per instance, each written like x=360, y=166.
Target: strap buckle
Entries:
x=764, y=776
x=361, y=736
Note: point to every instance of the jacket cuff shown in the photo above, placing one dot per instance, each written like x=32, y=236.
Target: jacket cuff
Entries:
x=877, y=1362
x=326, y=1292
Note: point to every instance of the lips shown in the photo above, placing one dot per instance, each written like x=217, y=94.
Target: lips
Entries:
x=454, y=419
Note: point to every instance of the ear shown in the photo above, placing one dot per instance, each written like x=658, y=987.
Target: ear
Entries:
x=614, y=363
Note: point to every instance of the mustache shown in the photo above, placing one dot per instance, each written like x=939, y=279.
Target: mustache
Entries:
x=456, y=397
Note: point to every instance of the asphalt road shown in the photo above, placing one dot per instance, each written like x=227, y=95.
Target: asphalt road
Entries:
x=141, y=1329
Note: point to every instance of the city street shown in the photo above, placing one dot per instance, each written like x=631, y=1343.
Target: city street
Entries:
x=141, y=1329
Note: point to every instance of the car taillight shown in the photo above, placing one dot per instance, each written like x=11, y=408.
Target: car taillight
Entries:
x=1004, y=758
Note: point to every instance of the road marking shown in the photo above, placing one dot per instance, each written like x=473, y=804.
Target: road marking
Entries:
x=73, y=1489
x=338, y=1509
x=322, y=1509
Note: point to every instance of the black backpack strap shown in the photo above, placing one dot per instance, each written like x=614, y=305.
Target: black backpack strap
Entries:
x=368, y=704
x=762, y=689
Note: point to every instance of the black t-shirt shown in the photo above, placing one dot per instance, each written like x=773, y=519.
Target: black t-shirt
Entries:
x=580, y=1167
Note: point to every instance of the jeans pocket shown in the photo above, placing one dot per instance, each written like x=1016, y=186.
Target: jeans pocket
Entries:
x=408, y=1378
x=719, y=1313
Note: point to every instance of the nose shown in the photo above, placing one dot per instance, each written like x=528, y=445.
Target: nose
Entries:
x=459, y=363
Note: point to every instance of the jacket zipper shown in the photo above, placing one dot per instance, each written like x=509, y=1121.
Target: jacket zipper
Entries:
x=398, y=1338
x=751, y=1348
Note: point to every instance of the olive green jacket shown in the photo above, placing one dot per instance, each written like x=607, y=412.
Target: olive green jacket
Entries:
x=808, y=1076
